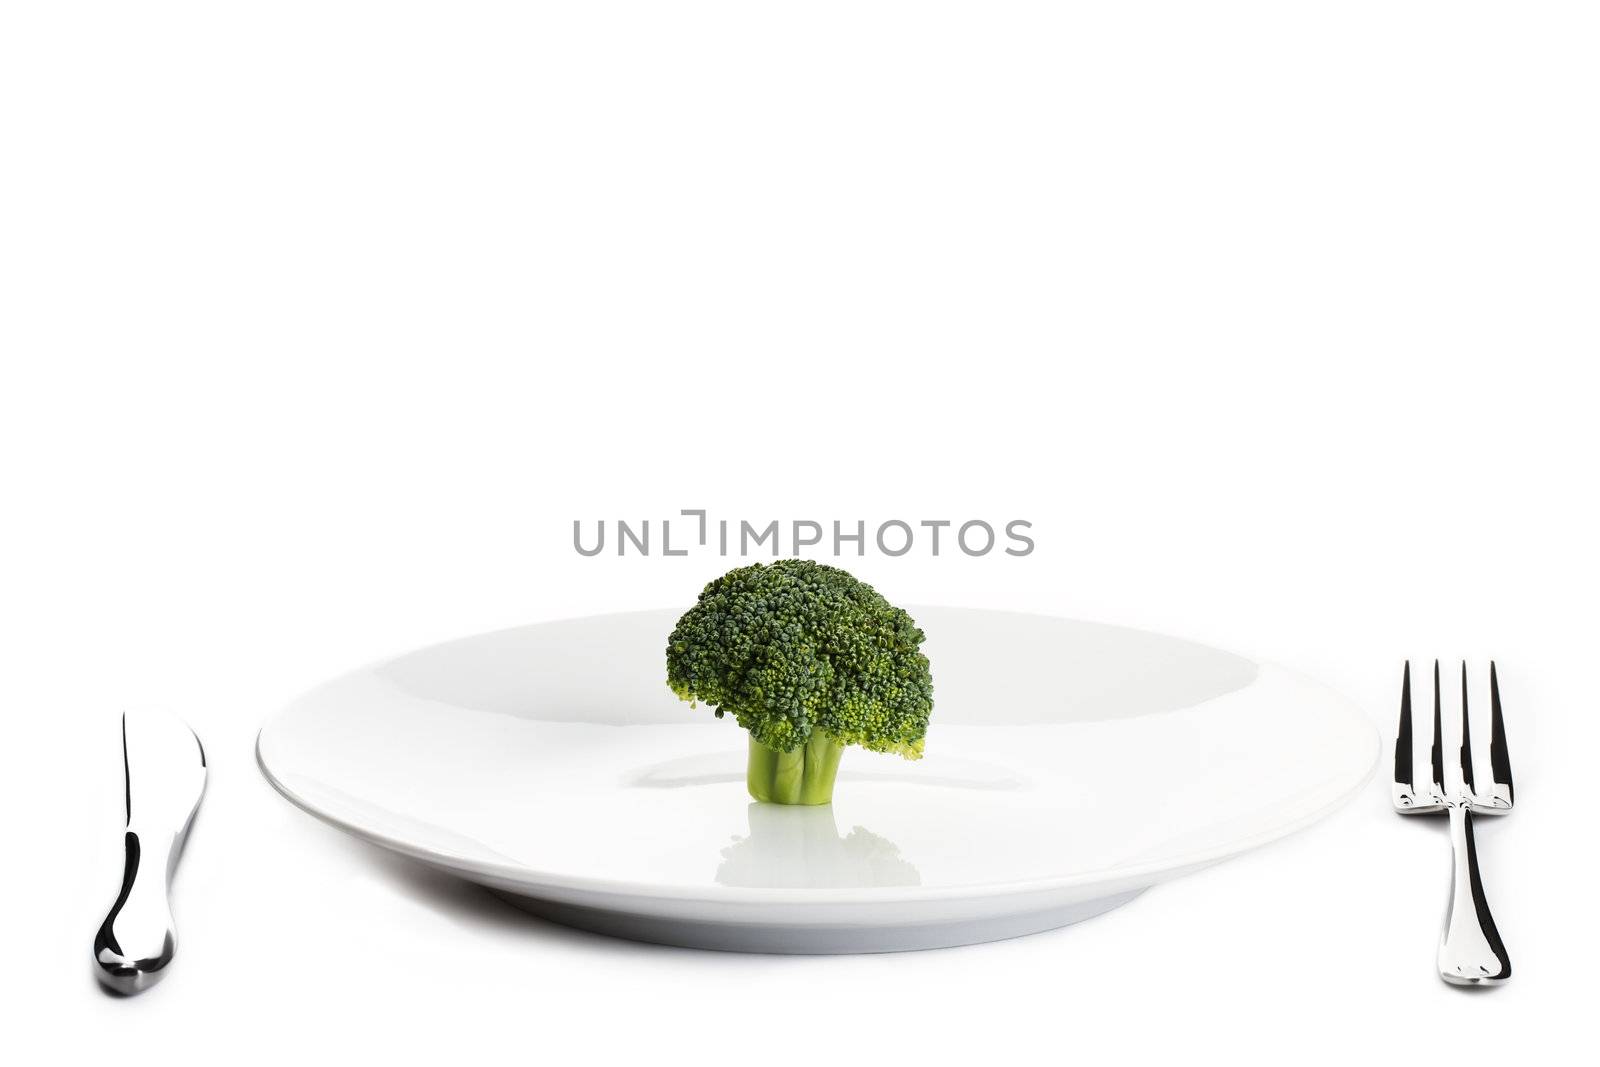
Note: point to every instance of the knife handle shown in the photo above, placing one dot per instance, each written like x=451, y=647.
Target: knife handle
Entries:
x=138, y=938
x=164, y=774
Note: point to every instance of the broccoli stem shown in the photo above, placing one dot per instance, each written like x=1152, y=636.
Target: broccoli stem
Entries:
x=804, y=776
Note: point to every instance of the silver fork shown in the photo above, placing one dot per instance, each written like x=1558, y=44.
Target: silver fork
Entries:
x=1470, y=950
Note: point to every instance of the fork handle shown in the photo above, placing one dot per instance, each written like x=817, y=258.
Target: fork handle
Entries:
x=1470, y=952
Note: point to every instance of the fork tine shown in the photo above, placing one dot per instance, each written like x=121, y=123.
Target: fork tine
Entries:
x=1404, y=777
x=1499, y=755
x=1468, y=782
x=1436, y=754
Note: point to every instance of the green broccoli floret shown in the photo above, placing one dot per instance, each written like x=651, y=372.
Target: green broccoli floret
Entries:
x=808, y=659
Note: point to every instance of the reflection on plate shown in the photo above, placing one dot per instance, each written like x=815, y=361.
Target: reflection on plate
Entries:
x=1070, y=765
x=793, y=847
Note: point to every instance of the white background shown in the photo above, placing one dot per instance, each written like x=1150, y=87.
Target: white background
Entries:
x=321, y=322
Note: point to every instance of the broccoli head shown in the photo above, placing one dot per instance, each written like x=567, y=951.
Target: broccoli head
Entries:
x=808, y=659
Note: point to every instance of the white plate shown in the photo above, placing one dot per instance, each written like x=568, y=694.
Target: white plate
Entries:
x=1069, y=766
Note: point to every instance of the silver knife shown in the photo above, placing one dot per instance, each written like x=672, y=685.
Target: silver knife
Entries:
x=164, y=768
